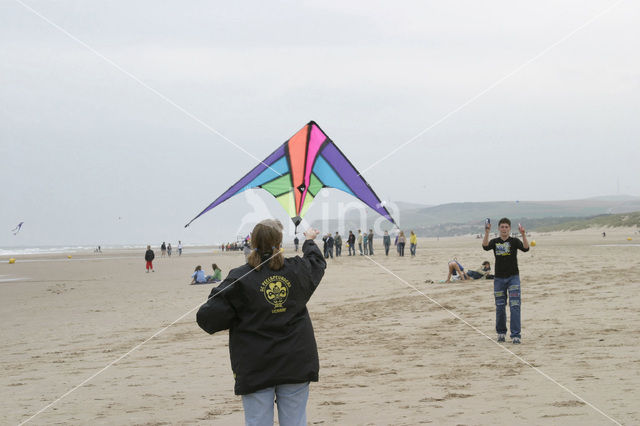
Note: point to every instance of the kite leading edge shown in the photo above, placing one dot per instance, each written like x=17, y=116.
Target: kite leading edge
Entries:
x=296, y=171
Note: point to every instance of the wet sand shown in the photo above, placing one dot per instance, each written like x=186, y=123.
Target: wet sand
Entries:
x=393, y=350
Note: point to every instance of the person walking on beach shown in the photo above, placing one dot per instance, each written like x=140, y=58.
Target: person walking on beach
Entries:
x=351, y=240
x=296, y=242
x=338, y=243
x=163, y=249
x=413, y=241
x=179, y=248
x=149, y=255
x=370, y=241
x=386, y=241
x=272, y=346
x=169, y=249
x=506, y=283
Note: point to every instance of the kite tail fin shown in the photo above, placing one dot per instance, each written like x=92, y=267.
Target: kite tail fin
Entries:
x=296, y=221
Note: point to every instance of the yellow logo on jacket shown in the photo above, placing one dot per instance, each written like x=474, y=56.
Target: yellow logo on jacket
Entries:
x=276, y=290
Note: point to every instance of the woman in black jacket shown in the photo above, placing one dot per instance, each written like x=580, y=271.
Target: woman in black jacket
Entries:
x=271, y=342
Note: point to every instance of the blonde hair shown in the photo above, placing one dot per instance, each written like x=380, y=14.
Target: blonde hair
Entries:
x=266, y=239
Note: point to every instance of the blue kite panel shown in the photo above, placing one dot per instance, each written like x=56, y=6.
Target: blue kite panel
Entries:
x=328, y=176
x=277, y=169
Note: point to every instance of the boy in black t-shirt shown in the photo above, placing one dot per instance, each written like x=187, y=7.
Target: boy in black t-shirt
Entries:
x=507, y=278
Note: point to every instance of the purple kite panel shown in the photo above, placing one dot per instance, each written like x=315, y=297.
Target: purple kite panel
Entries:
x=275, y=155
x=351, y=177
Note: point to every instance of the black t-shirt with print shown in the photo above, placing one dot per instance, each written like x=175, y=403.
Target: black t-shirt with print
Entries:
x=506, y=253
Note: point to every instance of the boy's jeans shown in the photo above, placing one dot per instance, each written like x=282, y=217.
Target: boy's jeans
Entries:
x=291, y=400
x=503, y=287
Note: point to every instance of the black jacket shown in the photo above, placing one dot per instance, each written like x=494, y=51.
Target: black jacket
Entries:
x=271, y=338
x=149, y=255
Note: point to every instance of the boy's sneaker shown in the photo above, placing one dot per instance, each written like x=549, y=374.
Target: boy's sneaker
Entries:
x=501, y=337
x=516, y=340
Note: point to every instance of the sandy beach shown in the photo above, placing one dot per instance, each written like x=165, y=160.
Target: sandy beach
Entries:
x=394, y=350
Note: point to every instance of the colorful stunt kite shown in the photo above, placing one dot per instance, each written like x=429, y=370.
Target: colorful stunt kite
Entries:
x=296, y=171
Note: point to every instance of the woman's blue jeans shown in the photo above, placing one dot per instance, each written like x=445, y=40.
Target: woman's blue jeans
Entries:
x=291, y=400
x=503, y=288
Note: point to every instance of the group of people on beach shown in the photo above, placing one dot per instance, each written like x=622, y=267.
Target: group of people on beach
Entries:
x=232, y=246
x=262, y=303
x=364, y=243
x=166, y=249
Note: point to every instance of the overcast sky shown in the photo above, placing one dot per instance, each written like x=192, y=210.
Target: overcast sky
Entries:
x=89, y=155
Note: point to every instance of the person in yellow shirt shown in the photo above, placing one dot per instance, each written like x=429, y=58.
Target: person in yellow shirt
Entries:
x=413, y=240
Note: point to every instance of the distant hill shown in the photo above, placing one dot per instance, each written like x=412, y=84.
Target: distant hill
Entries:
x=468, y=218
x=609, y=220
x=474, y=212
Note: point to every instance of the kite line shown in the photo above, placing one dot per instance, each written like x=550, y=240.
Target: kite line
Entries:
x=496, y=83
x=136, y=79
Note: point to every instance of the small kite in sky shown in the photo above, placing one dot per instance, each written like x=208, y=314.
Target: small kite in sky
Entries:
x=296, y=171
x=17, y=228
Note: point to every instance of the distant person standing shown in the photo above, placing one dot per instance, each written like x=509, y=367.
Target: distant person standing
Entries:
x=413, y=241
x=402, y=241
x=296, y=243
x=169, y=249
x=163, y=249
x=330, y=242
x=386, y=241
x=324, y=246
x=370, y=241
x=246, y=249
x=179, y=248
x=507, y=276
x=351, y=240
x=360, y=241
x=365, y=243
x=338, y=242
x=149, y=255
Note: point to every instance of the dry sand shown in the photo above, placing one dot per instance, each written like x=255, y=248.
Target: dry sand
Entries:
x=388, y=354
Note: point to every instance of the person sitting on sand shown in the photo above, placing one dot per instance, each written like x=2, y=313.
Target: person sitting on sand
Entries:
x=198, y=276
x=456, y=270
x=484, y=272
x=217, y=274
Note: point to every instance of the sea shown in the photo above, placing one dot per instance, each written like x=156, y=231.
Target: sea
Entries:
x=73, y=249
